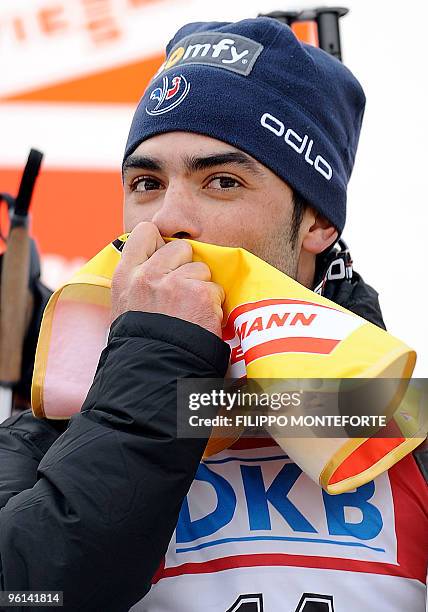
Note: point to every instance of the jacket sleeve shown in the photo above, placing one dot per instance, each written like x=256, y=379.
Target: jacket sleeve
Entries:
x=98, y=521
x=23, y=442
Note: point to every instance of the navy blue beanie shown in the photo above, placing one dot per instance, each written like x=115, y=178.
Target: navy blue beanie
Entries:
x=252, y=84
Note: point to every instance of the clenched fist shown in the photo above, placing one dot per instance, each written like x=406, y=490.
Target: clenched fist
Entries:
x=156, y=277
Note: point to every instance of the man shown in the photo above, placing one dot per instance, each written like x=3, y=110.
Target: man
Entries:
x=244, y=138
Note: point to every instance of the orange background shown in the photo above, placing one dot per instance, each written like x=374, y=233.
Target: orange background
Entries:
x=73, y=212
x=67, y=203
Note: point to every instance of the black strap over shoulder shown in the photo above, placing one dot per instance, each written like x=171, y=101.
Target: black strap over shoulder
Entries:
x=421, y=458
x=336, y=279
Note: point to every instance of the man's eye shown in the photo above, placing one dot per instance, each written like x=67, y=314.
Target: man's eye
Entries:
x=145, y=184
x=223, y=182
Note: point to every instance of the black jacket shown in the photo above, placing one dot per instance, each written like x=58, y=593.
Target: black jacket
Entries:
x=91, y=514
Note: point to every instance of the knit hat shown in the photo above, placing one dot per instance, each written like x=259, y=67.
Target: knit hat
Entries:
x=252, y=84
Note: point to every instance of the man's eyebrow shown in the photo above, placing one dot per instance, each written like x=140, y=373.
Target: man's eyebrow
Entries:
x=194, y=164
x=142, y=162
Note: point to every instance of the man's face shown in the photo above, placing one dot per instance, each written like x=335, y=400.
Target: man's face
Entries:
x=193, y=186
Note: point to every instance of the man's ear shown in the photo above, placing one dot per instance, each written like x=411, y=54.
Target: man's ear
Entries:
x=318, y=232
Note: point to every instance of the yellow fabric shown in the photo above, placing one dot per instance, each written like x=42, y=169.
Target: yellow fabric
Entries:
x=276, y=328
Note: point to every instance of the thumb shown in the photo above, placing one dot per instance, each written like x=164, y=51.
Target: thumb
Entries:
x=143, y=241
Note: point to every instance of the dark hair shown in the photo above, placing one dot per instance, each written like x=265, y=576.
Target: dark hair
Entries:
x=299, y=207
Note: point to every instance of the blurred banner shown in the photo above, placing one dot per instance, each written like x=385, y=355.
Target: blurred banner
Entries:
x=71, y=74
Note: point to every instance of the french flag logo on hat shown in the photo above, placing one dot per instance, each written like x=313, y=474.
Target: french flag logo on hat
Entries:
x=172, y=93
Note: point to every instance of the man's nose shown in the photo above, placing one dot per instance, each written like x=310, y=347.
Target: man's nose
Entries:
x=178, y=215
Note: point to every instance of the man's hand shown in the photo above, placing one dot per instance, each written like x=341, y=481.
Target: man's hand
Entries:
x=156, y=277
